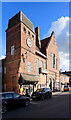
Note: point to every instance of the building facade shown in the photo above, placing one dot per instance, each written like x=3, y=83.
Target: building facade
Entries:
x=3, y=74
x=64, y=81
x=31, y=63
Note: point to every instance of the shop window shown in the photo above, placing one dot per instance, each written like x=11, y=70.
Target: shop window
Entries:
x=14, y=83
x=29, y=67
x=12, y=50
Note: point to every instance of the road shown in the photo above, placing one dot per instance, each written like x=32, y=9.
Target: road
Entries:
x=56, y=107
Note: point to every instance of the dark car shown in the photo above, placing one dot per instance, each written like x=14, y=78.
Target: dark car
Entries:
x=12, y=100
x=42, y=94
x=66, y=88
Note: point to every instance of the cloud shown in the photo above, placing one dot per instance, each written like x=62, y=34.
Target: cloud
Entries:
x=64, y=61
x=61, y=30
x=2, y=57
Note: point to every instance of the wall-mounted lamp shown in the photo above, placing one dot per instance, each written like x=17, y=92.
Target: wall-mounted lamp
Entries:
x=26, y=54
x=23, y=58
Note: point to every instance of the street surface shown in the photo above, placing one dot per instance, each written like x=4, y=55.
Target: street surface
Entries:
x=56, y=107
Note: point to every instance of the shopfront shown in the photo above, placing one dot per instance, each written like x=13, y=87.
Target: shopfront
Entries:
x=27, y=83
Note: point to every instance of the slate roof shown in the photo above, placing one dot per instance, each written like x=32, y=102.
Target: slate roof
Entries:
x=20, y=17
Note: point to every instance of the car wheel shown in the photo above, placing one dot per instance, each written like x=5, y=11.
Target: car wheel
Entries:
x=50, y=95
x=42, y=97
x=4, y=109
x=27, y=103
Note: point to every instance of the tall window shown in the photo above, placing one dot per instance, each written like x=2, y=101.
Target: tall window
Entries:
x=29, y=67
x=44, y=65
x=24, y=30
x=41, y=63
x=12, y=50
x=33, y=37
x=28, y=33
x=37, y=67
x=55, y=63
x=52, y=60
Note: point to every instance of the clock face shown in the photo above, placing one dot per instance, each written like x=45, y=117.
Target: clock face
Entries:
x=29, y=42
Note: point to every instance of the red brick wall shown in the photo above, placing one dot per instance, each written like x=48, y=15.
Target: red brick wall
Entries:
x=52, y=49
x=13, y=37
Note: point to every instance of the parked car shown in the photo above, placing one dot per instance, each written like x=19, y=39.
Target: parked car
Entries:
x=12, y=100
x=66, y=88
x=42, y=93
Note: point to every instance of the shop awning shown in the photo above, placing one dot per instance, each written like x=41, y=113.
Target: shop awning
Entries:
x=27, y=78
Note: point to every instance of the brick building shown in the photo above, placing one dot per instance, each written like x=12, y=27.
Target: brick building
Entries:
x=3, y=74
x=64, y=80
x=31, y=63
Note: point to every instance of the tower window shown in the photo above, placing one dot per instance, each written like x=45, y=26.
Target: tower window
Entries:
x=33, y=37
x=28, y=33
x=24, y=30
x=12, y=50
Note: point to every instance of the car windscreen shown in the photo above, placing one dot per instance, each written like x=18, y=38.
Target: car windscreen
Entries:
x=8, y=95
x=2, y=96
x=39, y=90
x=65, y=86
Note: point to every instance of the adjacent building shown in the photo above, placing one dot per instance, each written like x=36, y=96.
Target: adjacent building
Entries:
x=64, y=81
x=3, y=74
x=31, y=63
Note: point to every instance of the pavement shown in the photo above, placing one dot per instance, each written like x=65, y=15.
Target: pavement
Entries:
x=60, y=93
x=57, y=93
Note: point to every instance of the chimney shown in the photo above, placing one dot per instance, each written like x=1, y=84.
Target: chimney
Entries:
x=38, y=43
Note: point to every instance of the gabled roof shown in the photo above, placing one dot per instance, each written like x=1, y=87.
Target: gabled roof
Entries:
x=45, y=41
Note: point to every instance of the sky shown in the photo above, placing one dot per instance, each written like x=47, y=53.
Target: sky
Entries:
x=49, y=16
